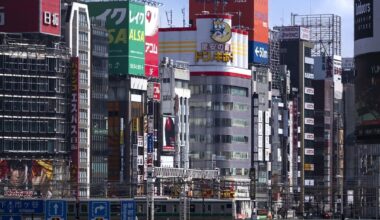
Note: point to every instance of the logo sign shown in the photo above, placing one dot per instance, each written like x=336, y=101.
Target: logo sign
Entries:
x=157, y=91
x=128, y=210
x=136, y=42
x=50, y=21
x=363, y=19
x=56, y=209
x=258, y=52
x=99, y=209
x=221, y=31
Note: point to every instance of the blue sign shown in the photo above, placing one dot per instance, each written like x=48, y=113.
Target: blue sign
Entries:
x=10, y=206
x=150, y=143
x=99, y=209
x=258, y=52
x=11, y=217
x=128, y=210
x=32, y=206
x=56, y=209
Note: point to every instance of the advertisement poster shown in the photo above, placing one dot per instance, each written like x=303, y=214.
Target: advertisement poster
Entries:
x=125, y=22
x=151, y=41
x=26, y=178
x=363, y=19
x=168, y=140
x=74, y=127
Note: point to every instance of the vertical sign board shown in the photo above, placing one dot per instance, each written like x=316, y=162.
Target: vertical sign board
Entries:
x=168, y=136
x=74, y=128
x=136, y=42
x=363, y=19
x=125, y=22
x=151, y=41
x=99, y=210
x=56, y=209
x=128, y=210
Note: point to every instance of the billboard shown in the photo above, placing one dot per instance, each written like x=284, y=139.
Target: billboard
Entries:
x=168, y=136
x=258, y=52
x=26, y=178
x=367, y=86
x=74, y=113
x=125, y=22
x=151, y=41
x=35, y=16
x=363, y=19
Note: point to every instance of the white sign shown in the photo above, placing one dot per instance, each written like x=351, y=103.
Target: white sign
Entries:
x=309, y=136
x=309, y=91
x=51, y=18
x=309, y=75
x=309, y=151
x=304, y=33
x=309, y=121
x=260, y=116
x=261, y=52
x=260, y=129
x=309, y=106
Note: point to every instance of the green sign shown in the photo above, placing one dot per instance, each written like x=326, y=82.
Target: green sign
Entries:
x=126, y=37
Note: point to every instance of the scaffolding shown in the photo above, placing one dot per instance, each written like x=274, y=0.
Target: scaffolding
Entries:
x=325, y=32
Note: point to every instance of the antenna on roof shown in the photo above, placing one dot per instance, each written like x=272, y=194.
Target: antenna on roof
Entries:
x=183, y=17
x=169, y=17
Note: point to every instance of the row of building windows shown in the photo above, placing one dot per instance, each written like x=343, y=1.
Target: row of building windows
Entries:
x=213, y=139
x=27, y=84
x=220, y=106
x=29, y=126
x=18, y=105
x=47, y=65
x=7, y=145
x=228, y=155
x=234, y=171
x=218, y=122
x=219, y=89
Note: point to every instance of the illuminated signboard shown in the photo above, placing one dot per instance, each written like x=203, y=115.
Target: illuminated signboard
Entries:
x=74, y=128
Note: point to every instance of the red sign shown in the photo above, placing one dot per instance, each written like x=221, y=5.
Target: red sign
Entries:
x=74, y=128
x=51, y=17
x=256, y=23
x=30, y=16
x=151, y=41
x=156, y=91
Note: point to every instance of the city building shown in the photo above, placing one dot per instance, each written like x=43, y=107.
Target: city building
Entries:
x=99, y=112
x=34, y=98
x=295, y=53
x=367, y=66
x=220, y=83
x=76, y=32
x=175, y=98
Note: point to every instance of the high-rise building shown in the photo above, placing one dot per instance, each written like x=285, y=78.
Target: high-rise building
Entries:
x=367, y=66
x=99, y=112
x=296, y=55
x=220, y=103
x=77, y=35
x=34, y=100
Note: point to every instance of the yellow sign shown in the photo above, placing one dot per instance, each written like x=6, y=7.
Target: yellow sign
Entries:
x=309, y=167
x=208, y=56
x=135, y=124
x=221, y=31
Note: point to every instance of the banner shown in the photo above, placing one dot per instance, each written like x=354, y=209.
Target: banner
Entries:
x=26, y=178
x=168, y=136
x=151, y=41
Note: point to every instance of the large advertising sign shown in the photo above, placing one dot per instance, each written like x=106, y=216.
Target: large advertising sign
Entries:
x=258, y=52
x=26, y=178
x=363, y=19
x=30, y=16
x=367, y=88
x=74, y=127
x=168, y=136
x=151, y=41
x=125, y=22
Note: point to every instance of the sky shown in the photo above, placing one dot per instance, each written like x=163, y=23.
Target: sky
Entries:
x=279, y=14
